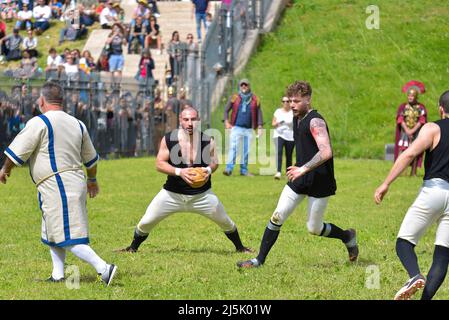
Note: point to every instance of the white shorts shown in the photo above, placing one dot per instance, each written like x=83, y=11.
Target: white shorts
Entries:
x=166, y=203
x=289, y=200
x=62, y=199
x=431, y=205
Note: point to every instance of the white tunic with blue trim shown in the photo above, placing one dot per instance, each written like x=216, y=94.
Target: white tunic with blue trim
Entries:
x=57, y=145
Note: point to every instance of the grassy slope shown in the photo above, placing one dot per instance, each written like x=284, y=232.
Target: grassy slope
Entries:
x=187, y=257
x=356, y=74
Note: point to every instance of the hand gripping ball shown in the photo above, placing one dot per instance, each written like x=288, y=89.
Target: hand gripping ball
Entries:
x=200, y=179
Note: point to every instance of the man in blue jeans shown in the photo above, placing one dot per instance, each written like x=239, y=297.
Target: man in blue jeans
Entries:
x=246, y=116
x=200, y=7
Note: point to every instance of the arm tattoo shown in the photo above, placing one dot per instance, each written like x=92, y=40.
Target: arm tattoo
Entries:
x=318, y=127
x=315, y=161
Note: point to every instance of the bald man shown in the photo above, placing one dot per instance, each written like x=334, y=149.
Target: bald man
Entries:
x=179, y=151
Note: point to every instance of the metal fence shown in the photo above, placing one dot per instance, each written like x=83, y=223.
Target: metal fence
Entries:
x=125, y=120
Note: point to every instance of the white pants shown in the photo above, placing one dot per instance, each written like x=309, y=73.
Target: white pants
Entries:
x=166, y=203
x=431, y=205
x=289, y=200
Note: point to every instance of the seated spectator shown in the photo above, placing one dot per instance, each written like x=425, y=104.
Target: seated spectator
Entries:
x=53, y=63
x=103, y=61
x=24, y=18
x=56, y=8
x=28, y=67
x=87, y=62
x=12, y=46
x=30, y=44
x=153, y=7
x=137, y=31
x=208, y=21
x=41, y=14
x=154, y=35
x=108, y=16
x=30, y=4
x=70, y=69
x=146, y=67
x=73, y=29
x=99, y=8
x=67, y=5
x=76, y=54
x=142, y=10
x=9, y=10
x=87, y=16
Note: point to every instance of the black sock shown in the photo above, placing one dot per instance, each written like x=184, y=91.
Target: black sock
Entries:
x=235, y=238
x=437, y=272
x=269, y=238
x=332, y=231
x=137, y=241
x=406, y=253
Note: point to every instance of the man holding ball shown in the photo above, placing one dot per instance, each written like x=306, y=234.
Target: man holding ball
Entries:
x=188, y=157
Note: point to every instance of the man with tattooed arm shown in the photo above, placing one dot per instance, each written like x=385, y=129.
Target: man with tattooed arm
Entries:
x=312, y=176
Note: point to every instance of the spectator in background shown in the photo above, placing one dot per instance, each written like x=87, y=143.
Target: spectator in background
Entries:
x=192, y=55
x=246, y=116
x=70, y=68
x=137, y=31
x=74, y=29
x=53, y=63
x=115, y=41
x=141, y=10
x=146, y=67
x=30, y=44
x=183, y=101
x=30, y=4
x=56, y=8
x=9, y=10
x=87, y=62
x=12, y=46
x=108, y=16
x=154, y=35
x=200, y=9
x=172, y=110
x=76, y=54
x=24, y=18
x=42, y=15
x=28, y=67
x=87, y=16
x=174, y=49
x=208, y=21
x=283, y=135
x=410, y=117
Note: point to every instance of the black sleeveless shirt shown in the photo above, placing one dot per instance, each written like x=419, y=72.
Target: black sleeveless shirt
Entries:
x=437, y=160
x=175, y=183
x=320, y=182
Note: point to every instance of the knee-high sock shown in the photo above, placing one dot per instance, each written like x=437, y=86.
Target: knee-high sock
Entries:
x=332, y=231
x=138, y=239
x=85, y=253
x=235, y=238
x=437, y=272
x=406, y=253
x=269, y=238
x=58, y=258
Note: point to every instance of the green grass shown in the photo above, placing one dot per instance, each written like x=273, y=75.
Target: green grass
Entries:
x=356, y=74
x=188, y=257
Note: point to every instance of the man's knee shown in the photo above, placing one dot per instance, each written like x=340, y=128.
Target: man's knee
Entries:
x=315, y=228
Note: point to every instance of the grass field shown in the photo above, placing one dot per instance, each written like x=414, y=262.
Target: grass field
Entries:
x=356, y=73
x=188, y=257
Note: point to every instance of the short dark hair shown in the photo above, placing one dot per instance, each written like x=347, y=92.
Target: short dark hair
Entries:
x=299, y=88
x=53, y=93
x=444, y=101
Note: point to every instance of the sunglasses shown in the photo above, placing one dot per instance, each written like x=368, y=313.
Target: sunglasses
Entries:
x=243, y=84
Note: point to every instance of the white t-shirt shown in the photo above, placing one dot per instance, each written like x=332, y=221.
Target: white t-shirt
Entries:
x=54, y=62
x=70, y=69
x=284, y=130
x=106, y=12
x=45, y=10
x=25, y=15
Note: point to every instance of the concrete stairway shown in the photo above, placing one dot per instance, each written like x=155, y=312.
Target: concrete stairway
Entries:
x=175, y=16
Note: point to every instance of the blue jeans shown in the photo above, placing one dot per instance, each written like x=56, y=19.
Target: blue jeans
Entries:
x=199, y=17
x=239, y=134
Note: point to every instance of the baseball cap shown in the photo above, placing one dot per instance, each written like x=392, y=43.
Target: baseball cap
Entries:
x=246, y=81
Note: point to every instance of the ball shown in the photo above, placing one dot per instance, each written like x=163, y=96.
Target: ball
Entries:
x=200, y=178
